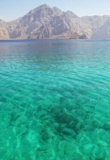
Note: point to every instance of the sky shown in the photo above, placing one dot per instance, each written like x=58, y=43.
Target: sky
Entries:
x=13, y=9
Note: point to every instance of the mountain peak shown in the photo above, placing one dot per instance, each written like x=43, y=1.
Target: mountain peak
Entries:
x=70, y=14
x=43, y=6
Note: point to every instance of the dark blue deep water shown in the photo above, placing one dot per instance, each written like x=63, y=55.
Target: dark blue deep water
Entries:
x=55, y=100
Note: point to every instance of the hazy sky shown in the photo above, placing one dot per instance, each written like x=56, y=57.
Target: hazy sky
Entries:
x=13, y=9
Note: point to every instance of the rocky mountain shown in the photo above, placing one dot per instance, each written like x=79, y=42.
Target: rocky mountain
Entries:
x=45, y=22
x=3, y=30
x=42, y=23
x=103, y=32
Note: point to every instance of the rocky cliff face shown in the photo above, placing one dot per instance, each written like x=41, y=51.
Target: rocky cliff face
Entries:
x=103, y=32
x=3, y=30
x=42, y=23
x=45, y=22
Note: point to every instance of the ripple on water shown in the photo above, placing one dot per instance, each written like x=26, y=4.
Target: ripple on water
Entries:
x=54, y=101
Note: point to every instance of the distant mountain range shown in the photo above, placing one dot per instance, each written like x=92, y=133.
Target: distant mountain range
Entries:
x=45, y=22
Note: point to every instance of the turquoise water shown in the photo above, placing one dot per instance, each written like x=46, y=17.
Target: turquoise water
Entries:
x=55, y=100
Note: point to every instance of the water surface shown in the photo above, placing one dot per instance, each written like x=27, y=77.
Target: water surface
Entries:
x=55, y=100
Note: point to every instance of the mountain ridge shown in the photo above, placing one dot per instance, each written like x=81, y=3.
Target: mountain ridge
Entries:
x=45, y=22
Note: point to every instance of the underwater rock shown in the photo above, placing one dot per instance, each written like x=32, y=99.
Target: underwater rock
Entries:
x=14, y=117
x=99, y=125
x=68, y=124
x=77, y=127
x=68, y=132
x=3, y=99
x=64, y=117
x=45, y=135
x=106, y=127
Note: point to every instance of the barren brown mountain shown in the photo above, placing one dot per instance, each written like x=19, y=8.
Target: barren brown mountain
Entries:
x=45, y=22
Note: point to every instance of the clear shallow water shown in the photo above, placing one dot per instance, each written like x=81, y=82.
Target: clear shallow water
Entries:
x=55, y=100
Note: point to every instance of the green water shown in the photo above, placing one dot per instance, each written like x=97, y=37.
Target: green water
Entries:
x=55, y=100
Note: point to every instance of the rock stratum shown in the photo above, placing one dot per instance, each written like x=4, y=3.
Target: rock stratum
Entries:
x=45, y=22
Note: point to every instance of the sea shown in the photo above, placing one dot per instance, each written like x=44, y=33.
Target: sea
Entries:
x=55, y=100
